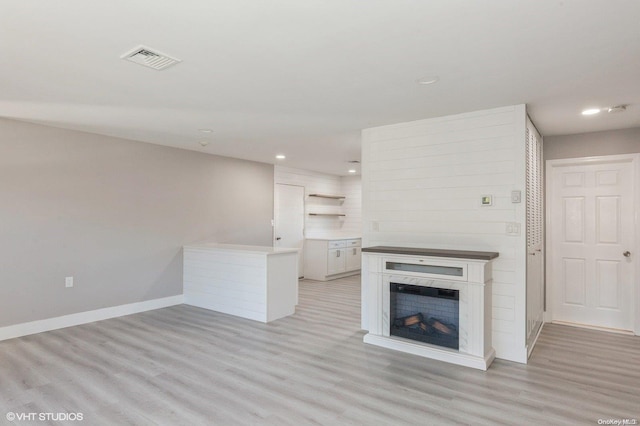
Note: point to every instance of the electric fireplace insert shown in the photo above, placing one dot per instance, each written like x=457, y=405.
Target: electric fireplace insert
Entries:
x=425, y=314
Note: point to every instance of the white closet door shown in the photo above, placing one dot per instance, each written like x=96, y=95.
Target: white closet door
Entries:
x=289, y=220
x=591, y=231
x=535, y=234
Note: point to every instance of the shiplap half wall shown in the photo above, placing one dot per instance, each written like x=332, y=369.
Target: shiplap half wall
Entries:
x=320, y=183
x=422, y=186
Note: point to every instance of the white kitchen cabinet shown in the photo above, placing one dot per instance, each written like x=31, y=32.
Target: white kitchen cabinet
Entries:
x=336, y=261
x=353, y=258
x=327, y=259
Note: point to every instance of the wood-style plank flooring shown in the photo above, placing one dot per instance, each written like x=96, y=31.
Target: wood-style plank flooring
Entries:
x=189, y=366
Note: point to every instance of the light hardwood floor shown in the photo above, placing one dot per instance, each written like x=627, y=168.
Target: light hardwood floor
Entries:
x=189, y=366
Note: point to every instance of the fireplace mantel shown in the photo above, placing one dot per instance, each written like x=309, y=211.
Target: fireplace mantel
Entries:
x=468, y=272
x=418, y=251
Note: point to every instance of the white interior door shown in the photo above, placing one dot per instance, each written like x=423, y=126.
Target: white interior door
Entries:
x=591, y=230
x=289, y=219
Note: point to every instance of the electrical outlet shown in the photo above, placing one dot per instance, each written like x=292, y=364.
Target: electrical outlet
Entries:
x=68, y=282
x=375, y=226
x=513, y=228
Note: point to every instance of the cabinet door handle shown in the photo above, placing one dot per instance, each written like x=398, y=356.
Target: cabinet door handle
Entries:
x=354, y=252
x=337, y=253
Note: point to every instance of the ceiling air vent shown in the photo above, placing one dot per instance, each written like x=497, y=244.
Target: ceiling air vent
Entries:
x=150, y=58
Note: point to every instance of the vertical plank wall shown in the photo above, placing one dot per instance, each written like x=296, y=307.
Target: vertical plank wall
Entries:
x=352, y=206
x=422, y=186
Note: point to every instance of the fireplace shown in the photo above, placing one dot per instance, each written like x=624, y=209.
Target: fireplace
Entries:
x=426, y=314
x=431, y=303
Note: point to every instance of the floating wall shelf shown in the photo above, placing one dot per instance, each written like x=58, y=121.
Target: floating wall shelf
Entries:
x=334, y=197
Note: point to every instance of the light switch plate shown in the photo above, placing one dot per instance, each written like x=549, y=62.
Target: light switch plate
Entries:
x=516, y=196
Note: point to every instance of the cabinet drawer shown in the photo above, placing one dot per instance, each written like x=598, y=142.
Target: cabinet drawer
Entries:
x=353, y=243
x=337, y=244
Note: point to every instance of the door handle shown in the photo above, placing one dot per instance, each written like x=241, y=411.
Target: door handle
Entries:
x=278, y=238
x=626, y=253
x=338, y=253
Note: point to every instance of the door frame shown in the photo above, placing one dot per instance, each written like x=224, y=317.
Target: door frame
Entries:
x=634, y=159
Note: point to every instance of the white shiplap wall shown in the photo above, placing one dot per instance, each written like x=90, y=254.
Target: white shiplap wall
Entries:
x=352, y=189
x=422, y=184
x=320, y=183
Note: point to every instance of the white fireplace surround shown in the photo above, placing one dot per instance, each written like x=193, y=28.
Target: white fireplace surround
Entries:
x=474, y=286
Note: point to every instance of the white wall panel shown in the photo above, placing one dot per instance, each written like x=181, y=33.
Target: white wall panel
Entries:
x=422, y=183
x=320, y=183
x=314, y=183
x=352, y=189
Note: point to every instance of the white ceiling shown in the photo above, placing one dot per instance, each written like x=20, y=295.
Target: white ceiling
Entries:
x=303, y=77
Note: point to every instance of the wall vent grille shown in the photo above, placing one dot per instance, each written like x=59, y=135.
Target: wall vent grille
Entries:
x=150, y=58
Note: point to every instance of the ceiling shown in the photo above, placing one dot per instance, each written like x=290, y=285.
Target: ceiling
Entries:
x=303, y=77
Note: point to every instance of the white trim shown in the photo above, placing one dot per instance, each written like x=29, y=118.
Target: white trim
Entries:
x=593, y=327
x=33, y=327
x=428, y=351
x=636, y=254
x=634, y=159
x=535, y=340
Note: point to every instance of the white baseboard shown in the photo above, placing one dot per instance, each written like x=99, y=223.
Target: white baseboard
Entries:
x=33, y=327
x=451, y=356
x=594, y=327
x=535, y=340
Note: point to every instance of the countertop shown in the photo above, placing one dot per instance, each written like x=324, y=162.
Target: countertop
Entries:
x=335, y=237
x=240, y=248
x=416, y=251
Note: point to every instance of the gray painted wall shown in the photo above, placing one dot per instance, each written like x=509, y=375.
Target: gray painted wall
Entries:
x=611, y=142
x=114, y=214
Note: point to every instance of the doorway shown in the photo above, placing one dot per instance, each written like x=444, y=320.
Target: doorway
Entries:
x=289, y=220
x=591, y=228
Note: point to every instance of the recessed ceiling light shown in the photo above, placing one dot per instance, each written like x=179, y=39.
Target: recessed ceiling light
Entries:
x=203, y=142
x=616, y=108
x=590, y=111
x=280, y=157
x=205, y=130
x=352, y=170
x=428, y=80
